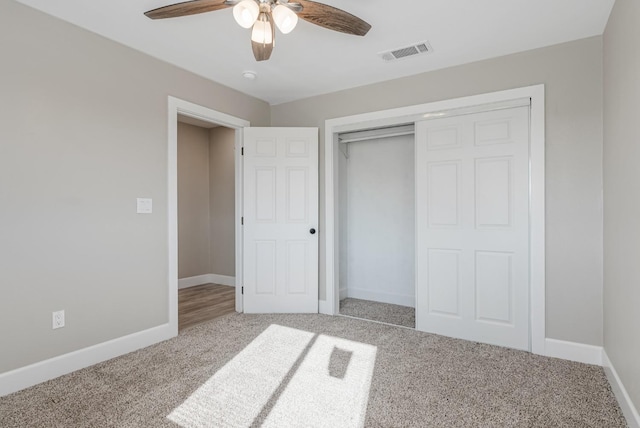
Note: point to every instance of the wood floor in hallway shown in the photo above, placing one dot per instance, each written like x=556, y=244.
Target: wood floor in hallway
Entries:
x=203, y=303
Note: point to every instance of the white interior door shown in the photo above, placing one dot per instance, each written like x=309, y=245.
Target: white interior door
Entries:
x=280, y=232
x=472, y=211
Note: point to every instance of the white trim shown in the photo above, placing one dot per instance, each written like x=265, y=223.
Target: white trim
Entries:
x=537, y=250
x=210, y=278
x=239, y=170
x=193, y=281
x=572, y=351
x=626, y=405
x=332, y=239
x=178, y=106
x=379, y=296
x=172, y=213
x=222, y=279
x=410, y=114
x=343, y=293
x=42, y=371
x=324, y=307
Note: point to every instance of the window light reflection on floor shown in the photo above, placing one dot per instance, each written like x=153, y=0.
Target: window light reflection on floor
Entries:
x=285, y=378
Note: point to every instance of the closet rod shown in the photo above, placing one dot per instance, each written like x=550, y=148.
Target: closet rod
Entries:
x=372, y=134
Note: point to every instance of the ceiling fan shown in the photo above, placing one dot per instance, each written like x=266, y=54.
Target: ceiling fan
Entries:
x=262, y=14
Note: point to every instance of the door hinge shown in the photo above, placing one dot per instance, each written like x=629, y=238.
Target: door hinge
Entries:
x=241, y=290
x=242, y=151
x=242, y=221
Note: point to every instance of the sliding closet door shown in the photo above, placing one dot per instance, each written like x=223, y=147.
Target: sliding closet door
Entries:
x=472, y=211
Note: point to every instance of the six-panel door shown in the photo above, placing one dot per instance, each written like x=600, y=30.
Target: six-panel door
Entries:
x=280, y=237
x=472, y=220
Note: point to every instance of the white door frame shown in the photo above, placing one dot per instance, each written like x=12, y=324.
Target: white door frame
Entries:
x=186, y=108
x=415, y=113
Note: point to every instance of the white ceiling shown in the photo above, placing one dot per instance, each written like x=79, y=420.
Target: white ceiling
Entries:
x=312, y=60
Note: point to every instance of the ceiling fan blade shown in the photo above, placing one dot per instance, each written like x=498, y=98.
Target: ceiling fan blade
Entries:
x=332, y=18
x=187, y=8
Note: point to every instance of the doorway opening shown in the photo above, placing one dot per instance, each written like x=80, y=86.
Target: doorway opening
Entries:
x=206, y=218
x=213, y=138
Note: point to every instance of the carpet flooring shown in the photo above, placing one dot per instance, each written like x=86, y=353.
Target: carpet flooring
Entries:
x=312, y=370
x=376, y=311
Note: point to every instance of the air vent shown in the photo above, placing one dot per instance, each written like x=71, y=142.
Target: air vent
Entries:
x=407, y=51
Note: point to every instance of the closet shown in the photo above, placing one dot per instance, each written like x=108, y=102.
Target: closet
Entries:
x=435, y=215
x=377, y=219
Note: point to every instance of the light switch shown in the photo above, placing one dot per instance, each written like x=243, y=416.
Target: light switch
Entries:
x=145, y=205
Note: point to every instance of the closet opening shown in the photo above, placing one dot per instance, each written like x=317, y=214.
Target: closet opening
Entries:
x=376, y=190
x=479, y=215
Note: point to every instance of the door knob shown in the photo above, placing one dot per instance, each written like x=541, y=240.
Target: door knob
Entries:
x=312, y=231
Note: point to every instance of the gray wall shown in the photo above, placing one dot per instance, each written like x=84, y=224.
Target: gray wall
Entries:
x=572, y=73
x=83, y=132
x=194, y=227
x=622, y=193
x=206, y=201
x=222, y=196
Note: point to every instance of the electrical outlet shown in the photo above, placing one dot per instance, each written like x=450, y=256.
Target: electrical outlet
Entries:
x=58, y=319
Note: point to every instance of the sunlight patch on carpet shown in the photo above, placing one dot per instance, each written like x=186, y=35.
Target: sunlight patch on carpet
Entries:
x=316, y=398
x=285, y=377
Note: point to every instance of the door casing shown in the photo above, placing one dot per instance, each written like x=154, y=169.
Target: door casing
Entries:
x=411, y=114
x=186, y=108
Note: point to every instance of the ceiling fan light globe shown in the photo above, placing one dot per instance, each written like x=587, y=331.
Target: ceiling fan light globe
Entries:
x=285, y=19
x=263, y=37
x=246, y=12
x=262, y=30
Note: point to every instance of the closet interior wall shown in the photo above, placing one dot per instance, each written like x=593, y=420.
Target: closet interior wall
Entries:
x=377, y=219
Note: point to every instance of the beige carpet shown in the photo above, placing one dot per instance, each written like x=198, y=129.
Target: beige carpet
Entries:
x=309, y=370
x=377, y=311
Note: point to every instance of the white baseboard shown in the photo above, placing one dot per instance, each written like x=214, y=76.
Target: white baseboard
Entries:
x=222, y=279
x=42, y=371
x=381, y=296
x=628, y=409
x=210, y=278
x=192, y=281
x=343, y=293
x=588, y=354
